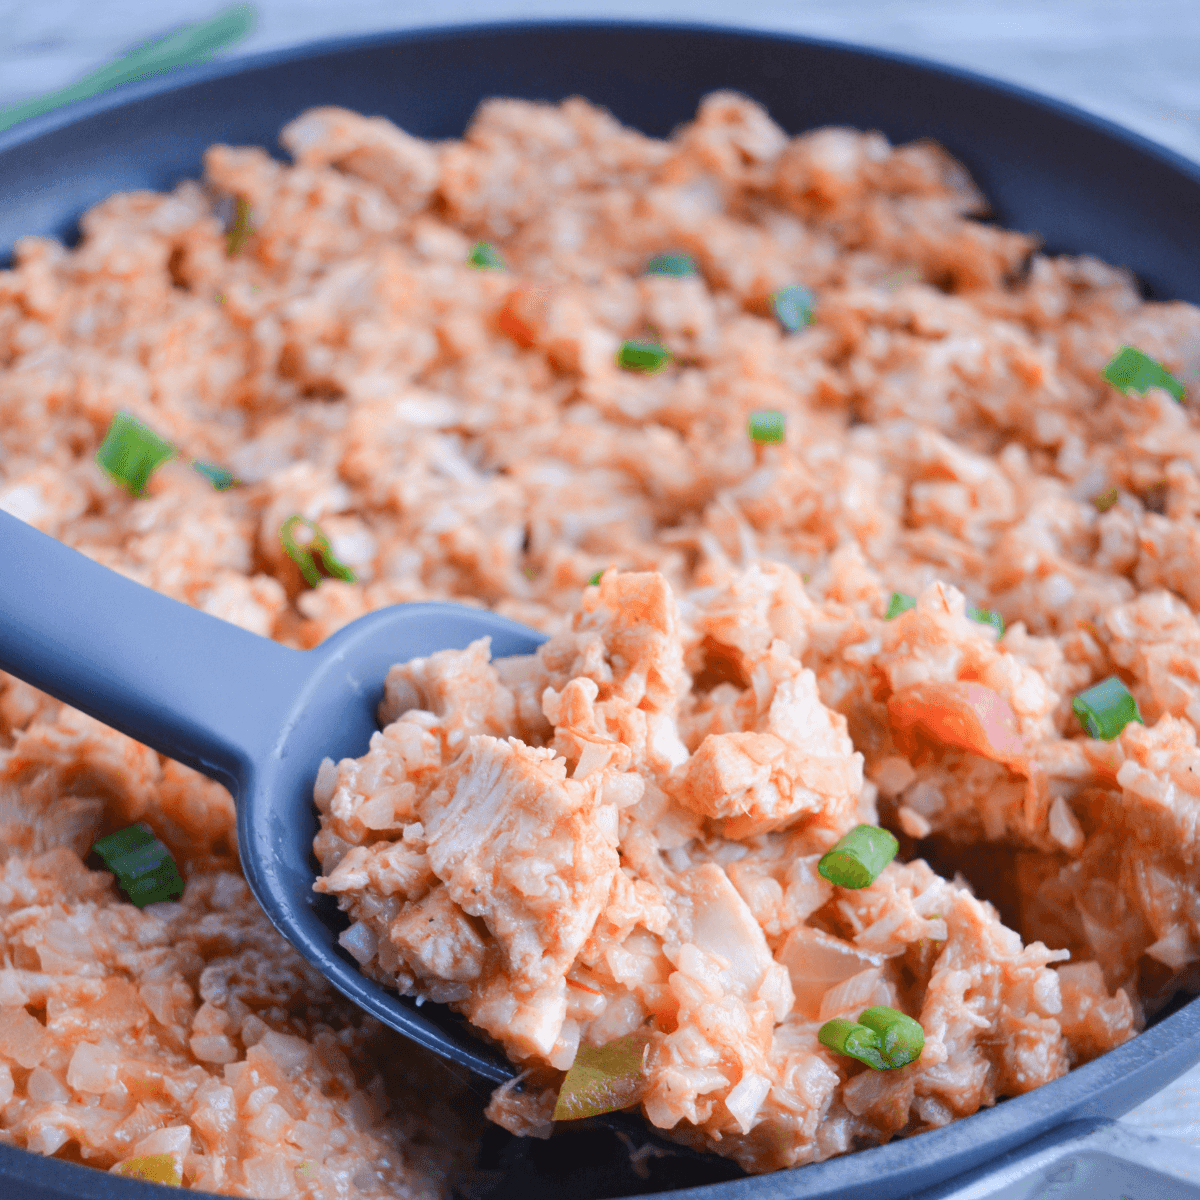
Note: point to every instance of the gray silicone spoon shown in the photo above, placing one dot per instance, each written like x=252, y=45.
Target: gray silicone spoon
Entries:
x=246, y=711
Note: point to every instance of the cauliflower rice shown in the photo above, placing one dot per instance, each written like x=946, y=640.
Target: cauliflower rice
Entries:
x=621, y=832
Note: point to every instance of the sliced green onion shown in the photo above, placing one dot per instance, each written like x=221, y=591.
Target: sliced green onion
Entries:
x=1106, y=499
x=144, y=868
x=1105, y=709
x=900, y=602
x=793, y=307
x=595, y=579
x=485, y=257
x=881, y=1037
x=153, y=1168
x=603, y=1080
x=680, y=266
x=131, y=452
x=988, y=616
x=859, y=857
x=901, y=1039
x=647, y=357
x=766, y=426
x=304, y=556
x=190, y=44
x=217, y=476
x=220, y=297
x=854, y=1040
x=241, y=229
x=1131, y=371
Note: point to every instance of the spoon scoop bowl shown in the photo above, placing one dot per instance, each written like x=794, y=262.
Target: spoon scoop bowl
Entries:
x=248, y=712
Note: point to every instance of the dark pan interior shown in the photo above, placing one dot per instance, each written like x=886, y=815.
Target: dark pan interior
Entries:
x=1084, y=185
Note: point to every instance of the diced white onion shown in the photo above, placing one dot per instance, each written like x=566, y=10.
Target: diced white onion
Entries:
x=45, y=1088
x=359, y=941
x=92, y=1069
x=746, y=1099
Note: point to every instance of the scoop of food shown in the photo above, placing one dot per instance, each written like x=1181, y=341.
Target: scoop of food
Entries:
x=245, y=710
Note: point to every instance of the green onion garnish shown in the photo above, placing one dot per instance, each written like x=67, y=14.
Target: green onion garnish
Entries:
x=766, y=426
x=793, y=307
x=881, y=1037
x=131, y=452
x=241, y=229
x=153, y=1168
x=217, y=476
x=603, y=1080
x=485, y=257
x=304, y=556
x=189, y=44
x=988, y=616
x=1131, y=371
x=595, y=579
x=856, y=1041
x=901, y=1039
x=1105, y=709
x=1106, y=499
x=900, y=602
x=144, y=868
x=678, y=265
x=647, y=357
x=859, y=857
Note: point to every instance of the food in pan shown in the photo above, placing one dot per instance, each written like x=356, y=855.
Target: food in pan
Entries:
x=856, y=786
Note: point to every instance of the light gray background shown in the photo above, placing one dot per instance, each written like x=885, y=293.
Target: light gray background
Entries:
x=1135, y=63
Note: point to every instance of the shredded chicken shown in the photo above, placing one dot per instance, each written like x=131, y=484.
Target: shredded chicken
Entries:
x=679, y=894
x=619, y=835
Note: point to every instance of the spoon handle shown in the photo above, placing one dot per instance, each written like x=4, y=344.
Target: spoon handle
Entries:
x=189, y=685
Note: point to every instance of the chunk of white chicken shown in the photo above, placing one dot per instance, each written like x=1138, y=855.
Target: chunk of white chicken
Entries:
x=797, y=761
x=453, y=693
x=528, y=851
x=626, y=639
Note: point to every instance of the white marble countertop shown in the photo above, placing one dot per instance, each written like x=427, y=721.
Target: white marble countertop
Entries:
x=1136, y=62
